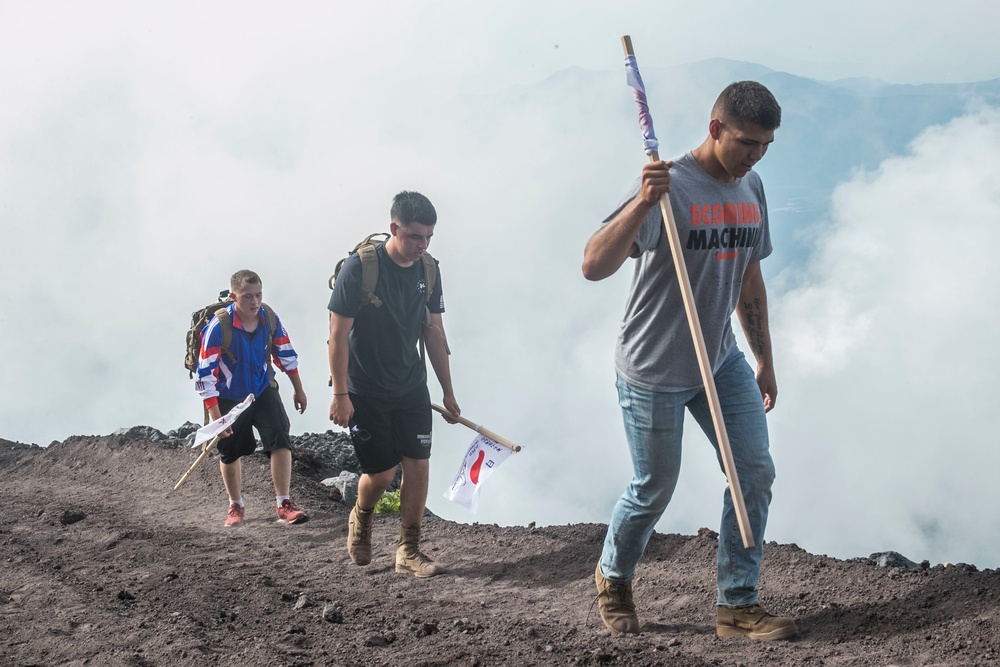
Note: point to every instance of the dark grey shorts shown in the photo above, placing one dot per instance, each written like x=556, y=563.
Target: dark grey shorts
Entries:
x=383, y=431
x=268, y=415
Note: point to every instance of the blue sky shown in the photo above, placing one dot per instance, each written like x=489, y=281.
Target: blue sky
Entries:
x=147, y=152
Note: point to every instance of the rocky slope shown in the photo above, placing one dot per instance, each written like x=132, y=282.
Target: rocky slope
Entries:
x=102, y=564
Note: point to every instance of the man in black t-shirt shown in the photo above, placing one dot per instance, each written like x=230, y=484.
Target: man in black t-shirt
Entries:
x=380, y=381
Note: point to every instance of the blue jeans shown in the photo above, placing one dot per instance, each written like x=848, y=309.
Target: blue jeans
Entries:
x=654, y=422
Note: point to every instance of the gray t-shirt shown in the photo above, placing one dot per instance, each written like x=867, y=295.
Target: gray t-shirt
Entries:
x=723, y=228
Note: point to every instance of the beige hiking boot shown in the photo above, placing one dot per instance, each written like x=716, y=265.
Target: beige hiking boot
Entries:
x=409, y=557
x=614, y=601
x=753, y=622
x=359, y=535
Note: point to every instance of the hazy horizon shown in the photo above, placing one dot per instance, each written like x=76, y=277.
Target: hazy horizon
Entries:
x=146, y=153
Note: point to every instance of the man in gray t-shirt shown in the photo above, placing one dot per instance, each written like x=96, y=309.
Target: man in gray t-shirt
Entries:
x=721, y=214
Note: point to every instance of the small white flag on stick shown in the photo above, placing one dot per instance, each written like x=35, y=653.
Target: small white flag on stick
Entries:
x=481, y=459
x=209, y=431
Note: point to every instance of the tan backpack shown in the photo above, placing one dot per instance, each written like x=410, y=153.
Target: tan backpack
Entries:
x=369, y=278
x=200, y=319
x=369, y=268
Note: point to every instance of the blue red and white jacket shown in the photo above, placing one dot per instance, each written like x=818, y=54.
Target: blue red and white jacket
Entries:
x=219, y=377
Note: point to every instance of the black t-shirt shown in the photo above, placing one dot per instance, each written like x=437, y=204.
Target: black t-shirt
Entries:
x=384, y=361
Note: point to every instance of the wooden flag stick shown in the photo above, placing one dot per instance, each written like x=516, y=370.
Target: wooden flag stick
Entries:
x=479, y=429
x=204, y=452
x=701, y=351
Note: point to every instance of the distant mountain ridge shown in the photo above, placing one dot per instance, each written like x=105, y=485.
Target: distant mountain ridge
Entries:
x=830, y=129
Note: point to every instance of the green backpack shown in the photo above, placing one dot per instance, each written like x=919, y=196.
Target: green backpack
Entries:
x=369, y=268
x=200, y=319
x=369, y=278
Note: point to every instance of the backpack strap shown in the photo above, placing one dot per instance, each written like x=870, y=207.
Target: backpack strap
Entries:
x=430, y=280
x=430, y=273
x=369, y=267
x=226, y=324
x=369, y=274
x=272, y=327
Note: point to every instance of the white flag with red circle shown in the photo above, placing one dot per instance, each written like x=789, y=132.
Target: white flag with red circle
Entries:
x=481, y=459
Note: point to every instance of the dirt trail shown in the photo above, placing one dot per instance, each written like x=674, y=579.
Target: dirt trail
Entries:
x=103, y=565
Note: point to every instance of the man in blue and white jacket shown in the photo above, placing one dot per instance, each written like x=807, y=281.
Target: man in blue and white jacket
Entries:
x=227, y=376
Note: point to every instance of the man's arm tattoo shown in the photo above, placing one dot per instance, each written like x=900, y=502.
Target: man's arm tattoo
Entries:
x=753, y=319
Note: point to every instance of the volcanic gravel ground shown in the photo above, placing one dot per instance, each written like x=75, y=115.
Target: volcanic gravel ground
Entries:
x=102, y=564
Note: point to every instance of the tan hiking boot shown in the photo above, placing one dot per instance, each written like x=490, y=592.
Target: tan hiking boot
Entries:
x=359, y=535
x=410, y=559
x=614, y=601
x=753, y=622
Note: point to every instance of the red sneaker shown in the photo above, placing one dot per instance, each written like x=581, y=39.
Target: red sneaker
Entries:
x=235, y=515
x=289, y=513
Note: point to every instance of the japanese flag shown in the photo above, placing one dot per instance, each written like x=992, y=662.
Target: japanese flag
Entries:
x=481, y=459
x=209, y=431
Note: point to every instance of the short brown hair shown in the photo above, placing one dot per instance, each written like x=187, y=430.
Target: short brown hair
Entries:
x=243, y=277
x=748, y=102
x=410, y=207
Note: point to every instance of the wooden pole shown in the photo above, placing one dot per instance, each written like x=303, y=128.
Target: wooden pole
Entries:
x=708, y=379
x=479, y=429
x=204, y=452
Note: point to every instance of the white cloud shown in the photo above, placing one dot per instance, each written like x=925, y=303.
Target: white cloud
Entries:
x=886, y=379
x=147, y=152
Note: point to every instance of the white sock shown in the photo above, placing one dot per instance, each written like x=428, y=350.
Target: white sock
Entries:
x=236, y=502
x=281, y=499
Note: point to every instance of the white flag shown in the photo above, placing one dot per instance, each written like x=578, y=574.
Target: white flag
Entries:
x=209, y=431
x=481, y=459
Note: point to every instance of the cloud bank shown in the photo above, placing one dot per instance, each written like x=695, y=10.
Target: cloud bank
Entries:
x=144, y=159
x=885, y=433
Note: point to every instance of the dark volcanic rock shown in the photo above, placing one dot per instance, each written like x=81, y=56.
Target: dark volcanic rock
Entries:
x=151, y=577
x=322, y=455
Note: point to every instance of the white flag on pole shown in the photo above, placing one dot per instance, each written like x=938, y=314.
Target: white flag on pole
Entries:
x=481, y=459
x=209, y=431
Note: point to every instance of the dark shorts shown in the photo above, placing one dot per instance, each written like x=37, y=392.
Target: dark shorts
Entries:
x=268, y=415
x=384, y=431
